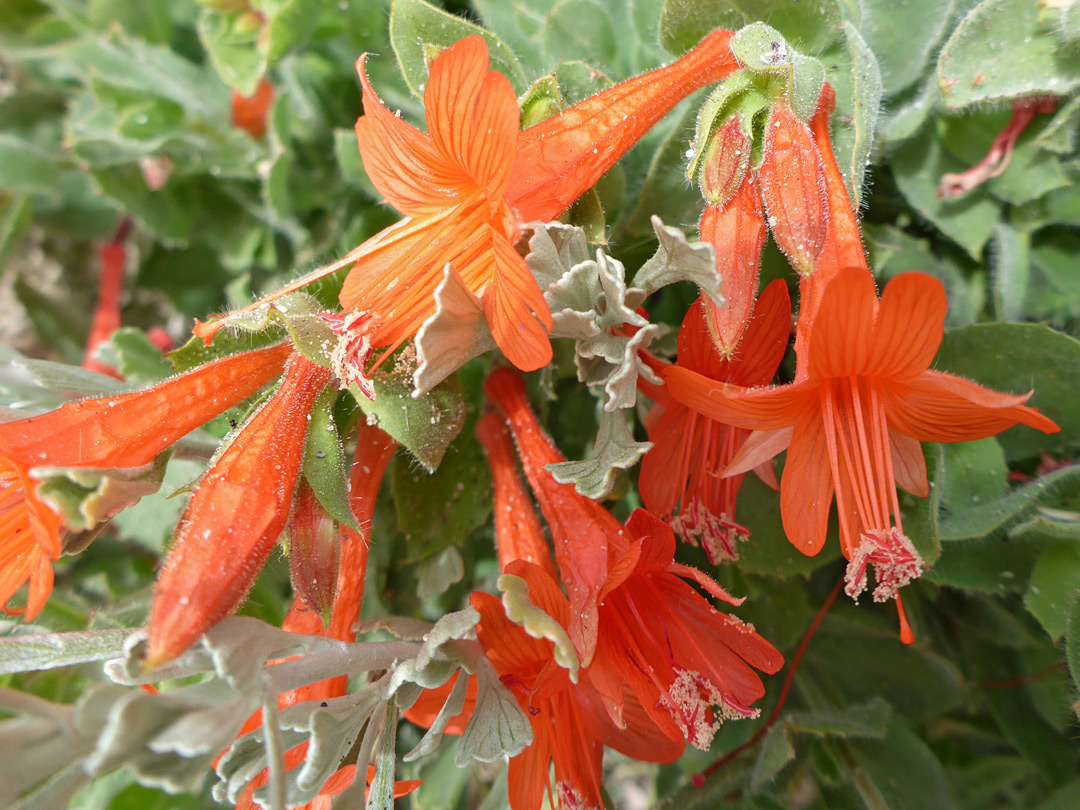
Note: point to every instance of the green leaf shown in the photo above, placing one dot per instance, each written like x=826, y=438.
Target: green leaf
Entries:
x=810, y=25
x=665, y=181
x=973, y=474
x=903, y=36
x=899, y=772
x=1054, y=754
x=1072, y=644
x=381, y=793
x=576, y=27
x=417, y=27
x=1011, y=270
x=918, y=166
x=1059, y=135
x=325, y=466
x=425, y=426
x=1016, y=358
x=1003, y=49
x=855, y=120
x=15, y=216
x=867, y=720
x=775, y=752
x=441, y=509
x=613, y=449
x=137, y=359
x=1055, y=583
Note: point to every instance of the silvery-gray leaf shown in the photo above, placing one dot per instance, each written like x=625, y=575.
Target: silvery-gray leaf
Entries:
x=615, y=448
x=520, y=609
x=439, y=572
x=576, y=290
x=498, y=725
x=26, y=653
x=240, y=647
x=405, y=628
x=354, y=795
x=679, y=259
x=613, y=308
x=455, y=334
x=439, y=656
x=613, y=362
x=381, y=794
x=450, y=709
x=553, y=249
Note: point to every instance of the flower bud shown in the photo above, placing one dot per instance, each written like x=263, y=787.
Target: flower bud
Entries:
x=314, y=552
x=724, y=163
x=737, y=234
x=792, y=181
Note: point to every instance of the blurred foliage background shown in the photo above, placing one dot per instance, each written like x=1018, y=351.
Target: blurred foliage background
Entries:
x=111, y=109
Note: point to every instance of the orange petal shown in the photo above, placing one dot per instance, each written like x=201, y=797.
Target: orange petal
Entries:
x=527, y=777
x=764, y=340
x=560, y=158
x=517, y=313
x=909, y=464
x=234, y=518
x=806, y=488
x=940, y=407
x=909, y=326
x=843, y=329
x=760, y=447
x=747, y=408
x=129, y=430
x=659, y=483
x=472, y=115
x=401, y=161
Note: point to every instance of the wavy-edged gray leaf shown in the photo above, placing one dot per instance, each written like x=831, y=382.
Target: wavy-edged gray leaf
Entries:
x=679, y=259
x=450, y=709
x=498, y=726
x=615, y=449
x=440, y=655
x=455, y=334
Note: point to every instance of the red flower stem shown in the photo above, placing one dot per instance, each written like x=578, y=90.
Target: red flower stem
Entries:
x=112, y=257
x=1020, y=680
x=699, y=778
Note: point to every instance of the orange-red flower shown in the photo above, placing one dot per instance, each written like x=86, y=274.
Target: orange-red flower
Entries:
x=468, y=184
x=680, y=476
x=518, y=534
x=29, y=540
x=570, y=726
x=249, y=112
x=130, y=430
x=234, y=518
x=126, y=430
x=637, y=625
x=373, y=451
x=112, y=261
x=853, y=426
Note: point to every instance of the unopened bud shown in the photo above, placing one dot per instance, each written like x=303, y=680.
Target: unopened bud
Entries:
x=792, y=180
x=314, y=552
x=737, y=234
x=724, y=164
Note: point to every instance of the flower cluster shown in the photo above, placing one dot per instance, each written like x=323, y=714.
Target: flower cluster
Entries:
x=602, y=637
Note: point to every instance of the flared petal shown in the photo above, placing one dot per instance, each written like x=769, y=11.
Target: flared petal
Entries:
x=940, y=407
x=909, y=464
x=639, y=737
x=660, y=482
x=843, y=329
x=695, y=345
x=909, y=326
x=806, y=488
x=527, y=778
x=472, y=115
x=764, y=340
x=517, y=313
x=401, y=161
x=760, y=447
x=747, y=408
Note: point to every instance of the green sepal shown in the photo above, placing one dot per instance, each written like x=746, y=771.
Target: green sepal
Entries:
x=86, y=497
x=325, y=466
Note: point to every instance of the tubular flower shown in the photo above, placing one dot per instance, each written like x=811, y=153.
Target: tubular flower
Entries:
x=234, y=518
x=468, y=184
x=852, y=427
x=127, y=430
x=570, y=726
x=676, y=654
x=112, y=259
x=518, y=534
x=373, y=452
x=29, y=540
x=680, y=476
x=130, y=430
